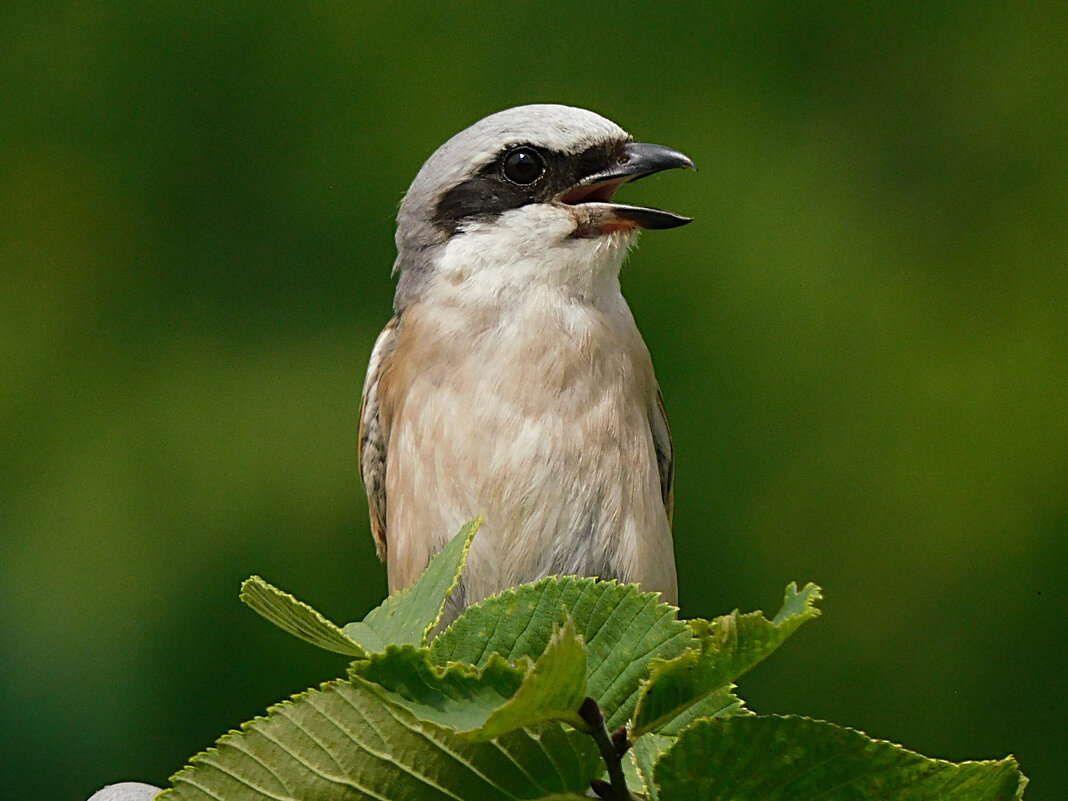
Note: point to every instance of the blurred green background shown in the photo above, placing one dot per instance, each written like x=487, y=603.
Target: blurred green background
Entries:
x=862, y=341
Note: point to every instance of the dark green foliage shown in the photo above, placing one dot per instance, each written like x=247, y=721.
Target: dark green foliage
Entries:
x=517, y=698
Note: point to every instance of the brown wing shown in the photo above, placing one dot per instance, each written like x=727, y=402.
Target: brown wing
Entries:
x=373, y=438
x=665, y=451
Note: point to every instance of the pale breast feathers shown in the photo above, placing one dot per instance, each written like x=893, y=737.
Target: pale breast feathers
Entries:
x=381, y=403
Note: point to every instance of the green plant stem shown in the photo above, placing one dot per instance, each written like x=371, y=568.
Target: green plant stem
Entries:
x=616, y=787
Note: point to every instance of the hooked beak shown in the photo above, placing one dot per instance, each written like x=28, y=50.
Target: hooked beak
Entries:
x=637, y=161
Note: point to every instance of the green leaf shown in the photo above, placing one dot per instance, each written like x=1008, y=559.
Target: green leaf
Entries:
x=646, y=750
x=640, y=761
x=554, y=689
x=407, y=617
x=490, y=701
x=458, y=696
x=716, y=704
x=727, y=647
x=297, y=617
x=624, y=630
x=773, y=758
x=342, y=743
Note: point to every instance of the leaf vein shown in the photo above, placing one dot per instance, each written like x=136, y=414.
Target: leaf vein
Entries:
x=201, y=788
x=241, y=744
x=519, y=766
x=385, y=756
x=341, y=777
x=312, y=736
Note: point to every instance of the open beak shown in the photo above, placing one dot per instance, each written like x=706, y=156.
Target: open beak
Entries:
x=637, y=161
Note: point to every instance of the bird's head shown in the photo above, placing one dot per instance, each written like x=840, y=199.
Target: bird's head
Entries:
x=526, y=196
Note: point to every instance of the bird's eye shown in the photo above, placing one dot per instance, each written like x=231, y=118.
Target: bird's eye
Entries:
x=524, y=165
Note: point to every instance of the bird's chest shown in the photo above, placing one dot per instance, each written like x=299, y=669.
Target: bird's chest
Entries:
x=537, y=421
x=541, y=385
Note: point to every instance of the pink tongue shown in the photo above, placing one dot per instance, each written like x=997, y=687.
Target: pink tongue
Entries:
x=595, y=193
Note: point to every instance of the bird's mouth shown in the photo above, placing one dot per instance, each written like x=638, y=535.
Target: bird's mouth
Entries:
x=602, y=215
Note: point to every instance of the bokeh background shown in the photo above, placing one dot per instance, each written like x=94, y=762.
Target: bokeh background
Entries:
x=862, y=340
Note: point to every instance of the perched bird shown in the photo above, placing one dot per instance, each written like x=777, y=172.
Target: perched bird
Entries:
x=512, y=381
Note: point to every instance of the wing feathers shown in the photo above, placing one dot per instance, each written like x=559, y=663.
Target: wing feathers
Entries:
x=373, y=438
x=665, y=451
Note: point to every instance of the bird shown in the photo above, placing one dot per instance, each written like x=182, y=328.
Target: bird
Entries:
x=512, y=382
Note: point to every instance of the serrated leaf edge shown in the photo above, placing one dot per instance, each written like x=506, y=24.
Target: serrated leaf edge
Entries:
x=811, y=592
x=1009, y=760
x=256, y=592
x=474, y=525
x=561, y=633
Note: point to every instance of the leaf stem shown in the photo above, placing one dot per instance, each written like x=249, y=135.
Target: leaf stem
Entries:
x=612, y=747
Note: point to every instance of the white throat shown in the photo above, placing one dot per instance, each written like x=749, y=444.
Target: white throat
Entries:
x=529, y=252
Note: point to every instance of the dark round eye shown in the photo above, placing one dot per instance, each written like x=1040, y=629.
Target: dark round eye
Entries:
x=524, y=165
